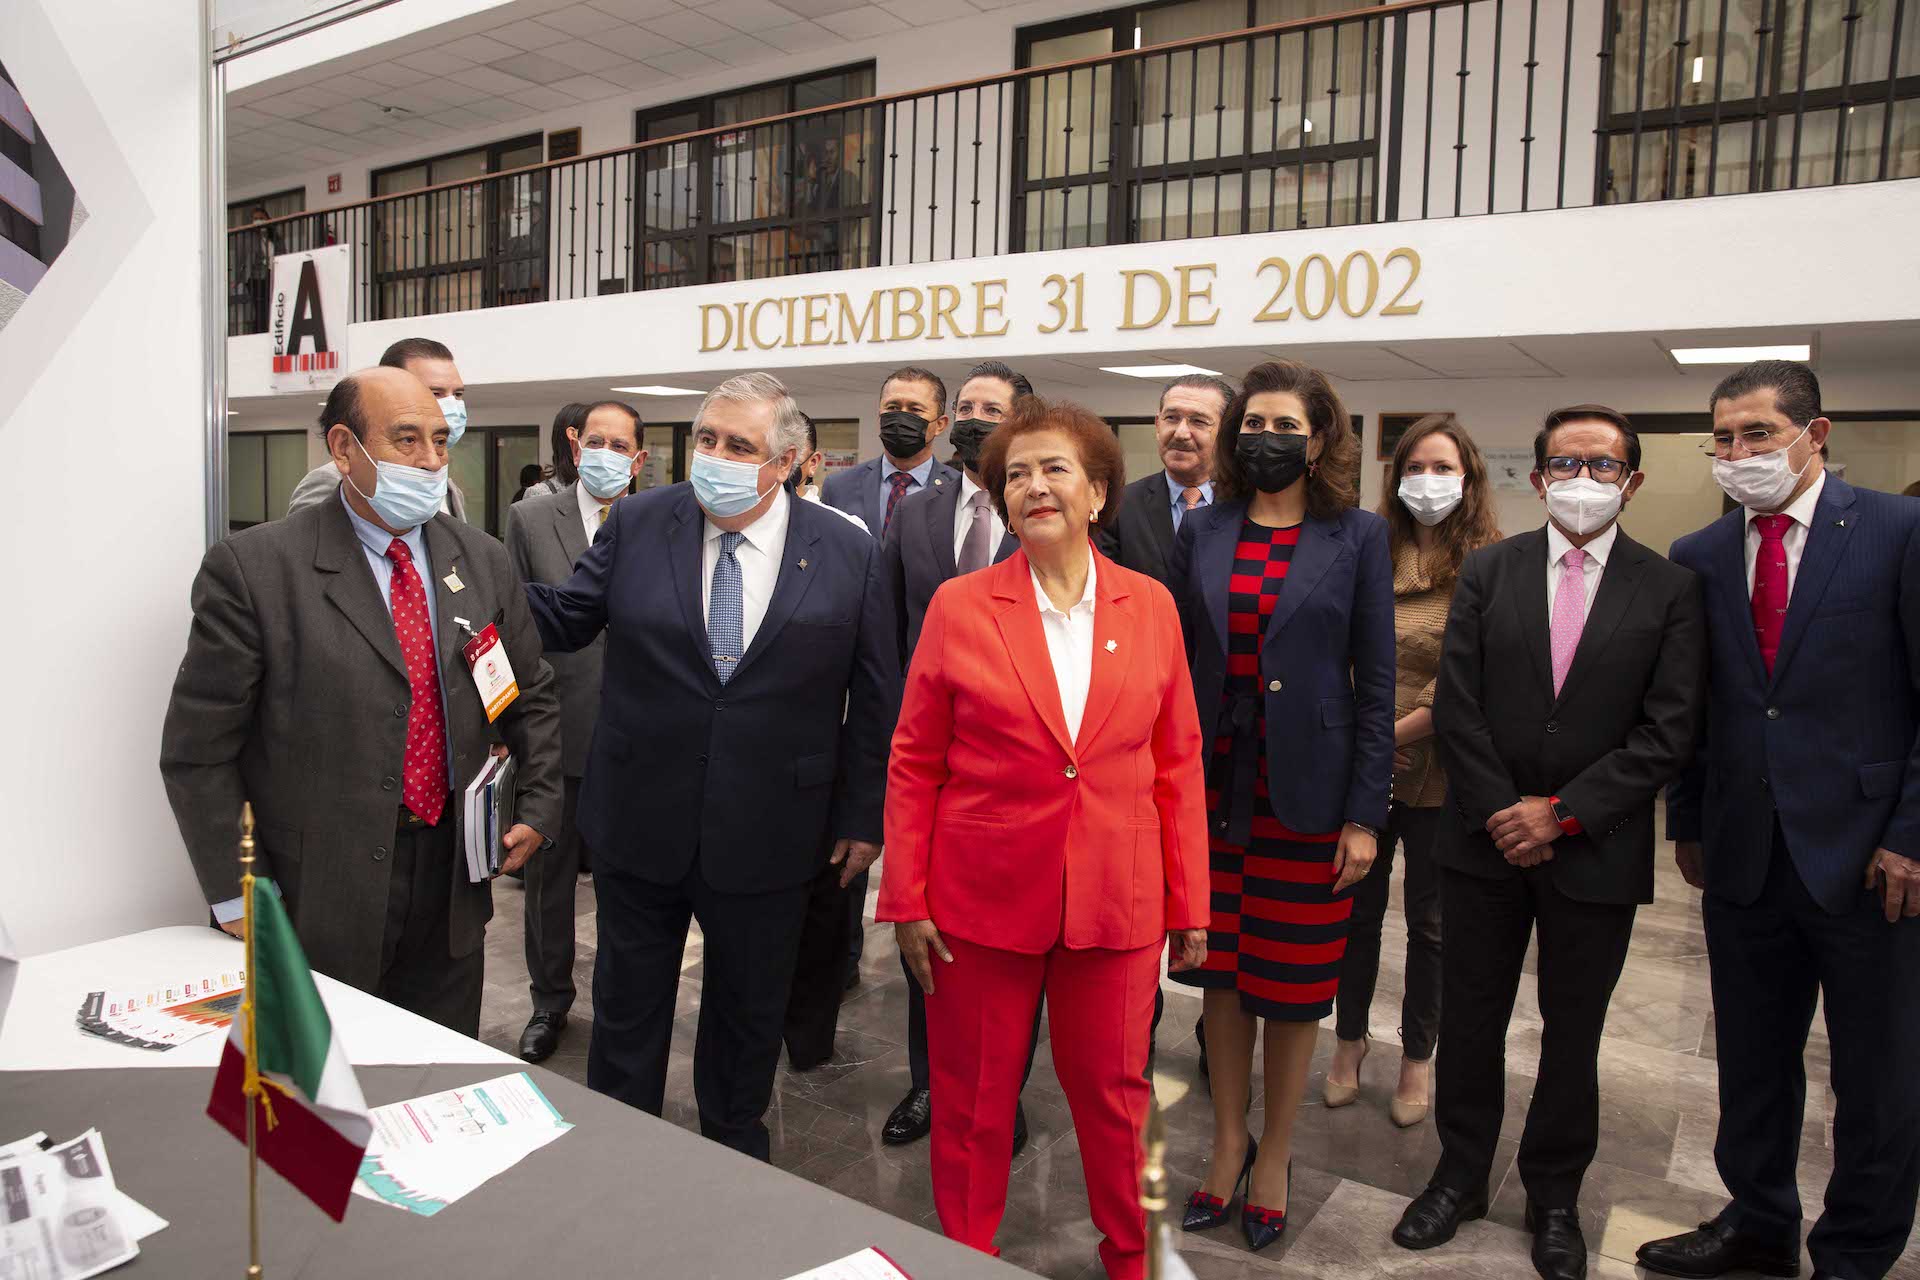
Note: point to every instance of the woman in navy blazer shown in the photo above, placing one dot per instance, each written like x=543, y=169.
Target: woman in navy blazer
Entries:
x=1285, y=592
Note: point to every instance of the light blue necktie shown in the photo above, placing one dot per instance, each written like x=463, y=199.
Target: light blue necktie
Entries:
x=726, y=616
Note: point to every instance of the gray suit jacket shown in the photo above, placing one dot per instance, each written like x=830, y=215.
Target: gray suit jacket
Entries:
x=293, y=695
x=323, y=482
x=856, y=491
x=544, y=538
x=918, y=556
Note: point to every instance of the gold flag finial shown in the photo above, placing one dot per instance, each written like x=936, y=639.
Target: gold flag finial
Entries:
x=253, y=1090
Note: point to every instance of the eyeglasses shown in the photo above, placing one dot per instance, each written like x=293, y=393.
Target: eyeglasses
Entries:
x=1752, y=440
x=1605, y=470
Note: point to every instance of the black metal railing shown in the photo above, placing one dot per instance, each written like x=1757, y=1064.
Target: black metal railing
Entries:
x=1412, y=110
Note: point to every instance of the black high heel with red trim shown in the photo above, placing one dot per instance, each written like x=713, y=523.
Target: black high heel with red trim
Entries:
x=1205, y=1212
x=1263, y=1226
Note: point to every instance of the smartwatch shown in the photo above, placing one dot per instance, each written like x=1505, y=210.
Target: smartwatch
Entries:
x=1569, y=824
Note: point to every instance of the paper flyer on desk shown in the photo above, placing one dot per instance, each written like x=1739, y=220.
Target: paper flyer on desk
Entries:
x=428, y=1152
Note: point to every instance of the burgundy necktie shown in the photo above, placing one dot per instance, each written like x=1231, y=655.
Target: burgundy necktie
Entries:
x=424, y=776
x=1770, y=585
x=899, y=480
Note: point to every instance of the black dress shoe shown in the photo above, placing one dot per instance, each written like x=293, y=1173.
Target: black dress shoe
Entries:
x=911, y=1120
x=1714, y=1250
x=1019, y=1130
x=1434, y=1216
x=542, y=1035
x=1559, y=1249
x=1204, y=1212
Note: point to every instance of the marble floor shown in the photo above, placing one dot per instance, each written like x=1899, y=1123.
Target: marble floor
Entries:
x=1354, y=1172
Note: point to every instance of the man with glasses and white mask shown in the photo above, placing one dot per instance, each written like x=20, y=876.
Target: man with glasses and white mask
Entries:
x=1569, y=693
x=1800, y=823
x=746, y=708
x=546, y=535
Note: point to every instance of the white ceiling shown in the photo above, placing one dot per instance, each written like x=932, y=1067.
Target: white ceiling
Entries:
x=527, y=57
x=1626, y=357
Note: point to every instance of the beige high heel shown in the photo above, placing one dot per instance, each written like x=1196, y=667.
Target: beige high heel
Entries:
x=1408, y=1114
x=1345, y=1095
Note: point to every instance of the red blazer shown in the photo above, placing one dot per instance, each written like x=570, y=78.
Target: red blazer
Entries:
x=1005, y=833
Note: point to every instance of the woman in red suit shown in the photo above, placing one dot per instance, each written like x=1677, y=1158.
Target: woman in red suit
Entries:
x=1046, y=829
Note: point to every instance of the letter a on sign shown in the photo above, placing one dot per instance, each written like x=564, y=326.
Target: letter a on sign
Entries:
x=307, y=317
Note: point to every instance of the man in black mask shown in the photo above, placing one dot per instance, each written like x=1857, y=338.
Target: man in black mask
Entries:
x=949, y=529
x=912, y=416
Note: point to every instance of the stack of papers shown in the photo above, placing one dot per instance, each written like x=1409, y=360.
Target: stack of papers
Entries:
x=428, y=1152
x=165, y=1016
x=868, y=1264
x=63, y=1217
x=489, y=815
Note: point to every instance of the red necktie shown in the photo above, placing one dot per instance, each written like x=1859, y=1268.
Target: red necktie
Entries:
x=1770, y=585
x=899, y=480
x=424, y=775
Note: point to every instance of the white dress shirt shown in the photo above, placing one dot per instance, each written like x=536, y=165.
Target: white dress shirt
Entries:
x=591, y=508
x=1070, y=645
x=1597, y=552
x=762, y=543
x=1800, y=511
x=812, y=494
x=963, y=520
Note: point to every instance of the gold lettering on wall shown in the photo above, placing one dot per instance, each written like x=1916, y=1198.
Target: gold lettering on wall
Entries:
x=1182, y=296
x=1127, y=318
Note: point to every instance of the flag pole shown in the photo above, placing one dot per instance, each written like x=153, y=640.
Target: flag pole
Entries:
x=253, y=1059
x=1153, y=1186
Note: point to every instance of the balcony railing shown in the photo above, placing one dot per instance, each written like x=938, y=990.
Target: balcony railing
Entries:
x=1421, y=109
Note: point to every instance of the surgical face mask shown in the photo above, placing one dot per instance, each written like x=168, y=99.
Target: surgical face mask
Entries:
x=403, y=497
x=1431, y=498
x=968, y=435
x=1583, y=505
x=1764, y=481
x=605, y=472
x=454, y=410
x=723, y=487
x=902, y=434
x=1273, y=460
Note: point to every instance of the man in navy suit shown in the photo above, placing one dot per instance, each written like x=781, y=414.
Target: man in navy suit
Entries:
x=945, y=530
x=912, y=416
x=1800, y=821
x=740, y=625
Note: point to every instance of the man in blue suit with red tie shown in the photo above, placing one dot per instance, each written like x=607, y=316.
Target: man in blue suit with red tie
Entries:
x=749, y=694
x=1800, y=821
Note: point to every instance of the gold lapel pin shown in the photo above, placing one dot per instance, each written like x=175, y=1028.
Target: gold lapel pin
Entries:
x=803, y=564
x=453, y=582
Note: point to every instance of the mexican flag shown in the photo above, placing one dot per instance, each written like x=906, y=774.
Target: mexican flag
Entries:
x=312, y=1123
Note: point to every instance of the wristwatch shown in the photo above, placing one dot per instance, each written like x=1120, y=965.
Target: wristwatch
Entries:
x=1569, y=824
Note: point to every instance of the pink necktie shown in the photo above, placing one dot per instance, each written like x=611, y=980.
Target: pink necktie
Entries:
x=1569, y=613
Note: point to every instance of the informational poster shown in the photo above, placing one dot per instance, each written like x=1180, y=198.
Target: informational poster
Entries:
x=307, y=315
x=1508, y=468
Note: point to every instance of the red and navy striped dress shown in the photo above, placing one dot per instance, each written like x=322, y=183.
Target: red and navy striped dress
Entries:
x=1278, y=933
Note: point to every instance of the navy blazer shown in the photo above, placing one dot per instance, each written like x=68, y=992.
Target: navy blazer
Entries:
x=1828, y=744
x=753, y=778
x=856, y=491
x=918, y=554
x=1327, y=660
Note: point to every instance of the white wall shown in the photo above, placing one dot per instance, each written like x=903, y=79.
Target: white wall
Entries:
x=104, y=356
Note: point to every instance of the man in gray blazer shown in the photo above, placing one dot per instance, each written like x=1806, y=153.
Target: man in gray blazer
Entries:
x=324, y=681
x=432, y=363
x=545, y=535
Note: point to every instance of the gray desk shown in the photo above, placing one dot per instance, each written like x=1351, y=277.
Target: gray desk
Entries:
x=623, y=1194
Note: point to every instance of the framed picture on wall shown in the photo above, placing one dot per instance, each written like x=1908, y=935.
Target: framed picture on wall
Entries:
x=1392, y=427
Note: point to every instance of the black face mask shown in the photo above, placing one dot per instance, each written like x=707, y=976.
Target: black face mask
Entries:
x=1272, y=461
x=902, y=434
x=968, y=435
